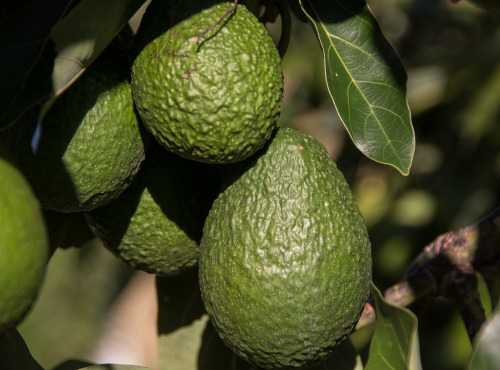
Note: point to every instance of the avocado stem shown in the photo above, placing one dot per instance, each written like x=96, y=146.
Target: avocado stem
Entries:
x=229, y=11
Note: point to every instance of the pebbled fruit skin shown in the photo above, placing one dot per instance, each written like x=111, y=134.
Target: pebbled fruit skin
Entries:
x=156, y=224
x=217, y=101
x=285, y=261
x=91, y=144
x=24, y=246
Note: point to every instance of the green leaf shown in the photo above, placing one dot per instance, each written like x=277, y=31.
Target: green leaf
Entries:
x=26, y=54
x=14, y=354
x=395, y=342
x=82, y=35
x=178, y=349
x=366, y=80
x=485, y=354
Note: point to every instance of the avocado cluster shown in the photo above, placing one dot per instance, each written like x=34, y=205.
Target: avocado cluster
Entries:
x=167, y=150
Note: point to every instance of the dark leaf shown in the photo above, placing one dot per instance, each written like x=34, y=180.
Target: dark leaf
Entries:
x=83, y=34
x=26, y=53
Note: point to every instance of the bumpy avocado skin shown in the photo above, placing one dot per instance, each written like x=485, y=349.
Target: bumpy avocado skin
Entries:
x=91, y=141
x=285, y=260
x=216, y=101
x=156, y=224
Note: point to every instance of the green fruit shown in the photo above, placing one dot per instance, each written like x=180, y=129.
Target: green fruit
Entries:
x=23, y=246
x=91, y=144
x=285, y=261
x=156, y=224
x=215, y=101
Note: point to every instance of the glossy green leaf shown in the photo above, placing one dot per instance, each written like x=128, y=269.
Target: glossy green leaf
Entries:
x=14, y=354
x=366, y=80
x=26, y=53
x=82, y=35
x=485, y=355
x=395, y=342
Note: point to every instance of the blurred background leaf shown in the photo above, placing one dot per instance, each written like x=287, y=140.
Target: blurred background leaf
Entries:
x=26, y=53
x=491, y=5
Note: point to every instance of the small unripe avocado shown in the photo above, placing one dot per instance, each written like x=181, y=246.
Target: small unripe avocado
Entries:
x=213, y=99
x=285, y=260
x=156, y=224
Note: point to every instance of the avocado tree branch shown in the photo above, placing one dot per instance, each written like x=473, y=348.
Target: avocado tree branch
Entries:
x=448, y=267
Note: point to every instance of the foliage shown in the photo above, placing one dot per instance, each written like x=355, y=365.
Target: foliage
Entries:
x=450, y=143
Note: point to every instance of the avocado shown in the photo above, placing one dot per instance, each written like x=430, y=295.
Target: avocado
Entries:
x=91, y=141
x=156, y=225
x=285, y=259
x=213, y=97
x=24, y=246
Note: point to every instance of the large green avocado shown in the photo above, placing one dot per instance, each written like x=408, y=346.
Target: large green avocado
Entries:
x=156, y=224
x=213, y=99
x=285, y=260
x=24, y=246
x=91, y=144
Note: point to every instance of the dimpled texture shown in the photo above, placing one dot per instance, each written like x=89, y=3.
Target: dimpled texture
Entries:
x=91, y=145
x=285, y=260
x=156, y=224
x=23, y=246
x=217, y=101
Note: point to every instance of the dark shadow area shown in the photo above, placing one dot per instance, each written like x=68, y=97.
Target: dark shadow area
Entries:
x=184, y=189
x=111, y=221
x=75, y=365
x=179, y=301
x=14, y=353
x=215, y=355
x=44, y=169
x=67, y=230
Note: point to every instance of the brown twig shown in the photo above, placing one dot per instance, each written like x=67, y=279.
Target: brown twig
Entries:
x=447, y=267
x=229, y=11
